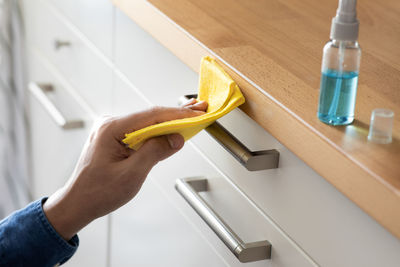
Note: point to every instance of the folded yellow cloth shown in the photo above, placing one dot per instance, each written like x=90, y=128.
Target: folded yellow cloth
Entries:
x=216, y=87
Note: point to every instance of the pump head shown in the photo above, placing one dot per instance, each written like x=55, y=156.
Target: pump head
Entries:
x=345, y=24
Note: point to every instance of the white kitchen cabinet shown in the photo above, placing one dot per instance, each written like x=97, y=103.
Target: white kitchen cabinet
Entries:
x=82, y=82
x=55, y=151
x=307, y=221
x=128, y=235
x=82, y=87
x=232, y=206
x=322, y=221
x=127, y=242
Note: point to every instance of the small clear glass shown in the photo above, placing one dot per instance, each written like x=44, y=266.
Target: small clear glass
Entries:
x=380, y=129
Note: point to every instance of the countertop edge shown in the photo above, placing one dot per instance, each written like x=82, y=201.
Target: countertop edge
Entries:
x=370, y=193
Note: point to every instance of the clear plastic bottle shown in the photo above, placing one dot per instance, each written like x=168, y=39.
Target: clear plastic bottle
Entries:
x=340, y=67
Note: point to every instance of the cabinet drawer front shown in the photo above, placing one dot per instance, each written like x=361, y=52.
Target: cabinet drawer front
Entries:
x=231, y=205
x=94, y=18
x=80, y=64
x=318, y=217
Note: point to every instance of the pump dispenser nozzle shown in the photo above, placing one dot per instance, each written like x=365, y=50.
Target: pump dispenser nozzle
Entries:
x=345, y=24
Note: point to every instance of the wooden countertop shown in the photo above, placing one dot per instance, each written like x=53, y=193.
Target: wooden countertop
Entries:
x=273, y=49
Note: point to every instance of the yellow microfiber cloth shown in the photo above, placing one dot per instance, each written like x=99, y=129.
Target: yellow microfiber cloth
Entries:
x=216, y=87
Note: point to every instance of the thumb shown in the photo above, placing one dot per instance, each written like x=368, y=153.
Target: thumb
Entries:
x=157, y=149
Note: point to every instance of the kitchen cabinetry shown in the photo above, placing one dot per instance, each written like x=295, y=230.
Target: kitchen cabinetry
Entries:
x=307, y=208
x=73, y=55
x=101, y=62
x=188, y=249
x=48, y=139
x=55, y=149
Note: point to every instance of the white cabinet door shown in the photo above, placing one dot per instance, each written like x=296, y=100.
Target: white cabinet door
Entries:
x=54, y=153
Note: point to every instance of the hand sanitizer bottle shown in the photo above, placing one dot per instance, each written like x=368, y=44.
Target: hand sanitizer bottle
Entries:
x=340, y=65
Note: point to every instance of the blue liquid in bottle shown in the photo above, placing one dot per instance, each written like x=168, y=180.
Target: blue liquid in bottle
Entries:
x=337, y=97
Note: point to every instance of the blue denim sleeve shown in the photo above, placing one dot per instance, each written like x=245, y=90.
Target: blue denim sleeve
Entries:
x=28, y=239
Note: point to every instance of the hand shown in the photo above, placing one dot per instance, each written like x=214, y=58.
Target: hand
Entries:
x=109, y=174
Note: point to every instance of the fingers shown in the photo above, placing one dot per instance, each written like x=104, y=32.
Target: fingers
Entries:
x=152, y=116
x=155, y=150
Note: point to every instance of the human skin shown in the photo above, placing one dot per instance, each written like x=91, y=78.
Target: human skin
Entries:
x=108, y=174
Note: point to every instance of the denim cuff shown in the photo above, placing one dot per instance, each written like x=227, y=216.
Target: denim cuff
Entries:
x=28, y=239
x=65, y=248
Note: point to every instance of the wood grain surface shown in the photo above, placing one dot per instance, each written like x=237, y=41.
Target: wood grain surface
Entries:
x=273, y=49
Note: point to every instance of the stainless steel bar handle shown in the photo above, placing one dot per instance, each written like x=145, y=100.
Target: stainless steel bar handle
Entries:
x=251, y=160
x=39, y=90
x=245, y=252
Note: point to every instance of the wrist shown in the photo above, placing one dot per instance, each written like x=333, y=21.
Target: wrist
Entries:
x=64, y=214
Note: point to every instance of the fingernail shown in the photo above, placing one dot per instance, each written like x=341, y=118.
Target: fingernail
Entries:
x=174, y=141
x=198, y=103
x=190, y=101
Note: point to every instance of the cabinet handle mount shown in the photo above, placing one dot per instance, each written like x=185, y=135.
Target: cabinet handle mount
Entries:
x=251, y=160
x=189, y=188
x=58, y=44
x=39, y=91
